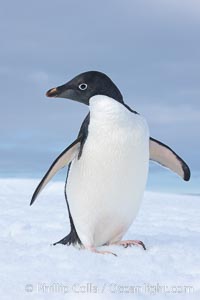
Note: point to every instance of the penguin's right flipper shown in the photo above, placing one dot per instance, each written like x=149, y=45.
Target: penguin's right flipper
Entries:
x=61, y=161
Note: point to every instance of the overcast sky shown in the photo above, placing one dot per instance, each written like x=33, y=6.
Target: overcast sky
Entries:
x=150, y=49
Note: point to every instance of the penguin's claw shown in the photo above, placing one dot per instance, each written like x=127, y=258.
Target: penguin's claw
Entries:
x=129, y=243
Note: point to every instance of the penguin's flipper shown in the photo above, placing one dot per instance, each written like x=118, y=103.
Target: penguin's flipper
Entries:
x=165, y=156
x=61, y=161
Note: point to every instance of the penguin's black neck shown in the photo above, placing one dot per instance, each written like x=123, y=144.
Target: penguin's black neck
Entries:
x=113, y=93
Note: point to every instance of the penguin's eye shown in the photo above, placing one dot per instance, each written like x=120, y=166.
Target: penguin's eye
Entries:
x=82, y=86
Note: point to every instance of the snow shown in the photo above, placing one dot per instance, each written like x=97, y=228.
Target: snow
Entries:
x=31, y=268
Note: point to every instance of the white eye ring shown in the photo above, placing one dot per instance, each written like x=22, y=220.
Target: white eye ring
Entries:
x=82, y=86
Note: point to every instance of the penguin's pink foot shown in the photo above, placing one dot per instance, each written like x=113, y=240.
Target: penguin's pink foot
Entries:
x=129, y=243
x=92, y=249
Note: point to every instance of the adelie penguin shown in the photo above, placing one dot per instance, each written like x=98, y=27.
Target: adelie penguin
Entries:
x=108, y=164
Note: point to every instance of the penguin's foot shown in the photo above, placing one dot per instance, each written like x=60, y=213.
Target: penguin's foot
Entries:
x=92, y=249
x=129, y=243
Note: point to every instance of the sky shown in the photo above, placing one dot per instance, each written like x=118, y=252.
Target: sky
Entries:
x=150, y=49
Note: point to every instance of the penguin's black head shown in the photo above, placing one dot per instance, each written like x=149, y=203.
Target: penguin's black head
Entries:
x=86, y=85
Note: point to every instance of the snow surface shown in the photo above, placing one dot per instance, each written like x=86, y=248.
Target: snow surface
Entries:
x=30, y=268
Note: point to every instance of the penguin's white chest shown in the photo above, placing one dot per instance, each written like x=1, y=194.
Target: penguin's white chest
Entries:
x=105, y=186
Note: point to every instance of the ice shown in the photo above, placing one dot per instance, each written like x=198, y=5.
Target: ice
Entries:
x=31, y=268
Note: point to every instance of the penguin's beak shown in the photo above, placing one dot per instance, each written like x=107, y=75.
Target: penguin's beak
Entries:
x=67, y=91
x=52, y=92
x=62, y=91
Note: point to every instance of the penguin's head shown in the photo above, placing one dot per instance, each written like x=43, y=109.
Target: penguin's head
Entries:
x=86, y=85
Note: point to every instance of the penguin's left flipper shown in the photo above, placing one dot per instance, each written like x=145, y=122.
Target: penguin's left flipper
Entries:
x=165, y=156
x=61, y=161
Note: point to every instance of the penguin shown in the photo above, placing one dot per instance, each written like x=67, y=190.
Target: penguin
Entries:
x=108, y=164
